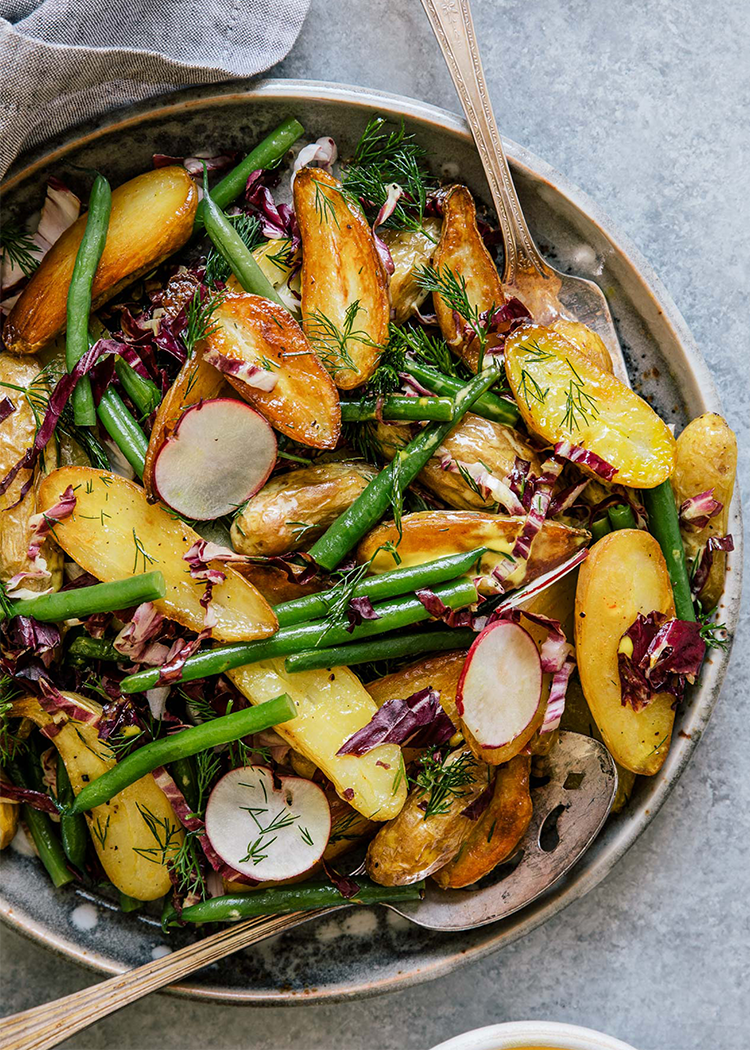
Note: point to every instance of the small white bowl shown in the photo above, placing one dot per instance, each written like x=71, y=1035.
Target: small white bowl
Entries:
x=518, y=1034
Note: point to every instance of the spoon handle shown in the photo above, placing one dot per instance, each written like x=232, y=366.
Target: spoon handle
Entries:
x=47, y=1025
x=453, y=26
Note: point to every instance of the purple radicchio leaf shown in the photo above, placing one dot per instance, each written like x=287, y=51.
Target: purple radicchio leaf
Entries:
x=576, y=454
x=419, y=720
x=346, y=886
x=36, y=799
x=665, y=654
x=42, y=524
x=540, y=501
x=7, y=408
x=277, y=221
x=476, y=808
x=437, y=608
x=705, y=560
x=247, y=372
x=697, y=511
x=360, y=609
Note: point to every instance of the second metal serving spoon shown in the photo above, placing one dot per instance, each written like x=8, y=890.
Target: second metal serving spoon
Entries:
x=547, y=292
x=575, y=784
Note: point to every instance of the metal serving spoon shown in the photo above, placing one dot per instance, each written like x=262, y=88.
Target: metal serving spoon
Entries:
x=547, y=292
x=575, y=784
x=572, y=791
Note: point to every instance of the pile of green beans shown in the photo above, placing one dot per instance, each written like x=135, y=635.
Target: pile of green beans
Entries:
x=438, y=641
x=664, y=526
x=144, y=393
x=283, y=900
x=79, y=296
x=400, y=612
x=488, y=404
x=178, y=745
x=384, y=585
x=99, y=598
x=370, y=506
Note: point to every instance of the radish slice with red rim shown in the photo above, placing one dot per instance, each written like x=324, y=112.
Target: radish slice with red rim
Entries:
x=221, y=452
x=265, y=830
x=499, y=693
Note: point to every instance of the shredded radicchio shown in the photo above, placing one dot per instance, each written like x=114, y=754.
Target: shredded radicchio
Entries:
x=585, y=458
x=564, y=500
x=697, y=511
x=43, y=524
x=171, y=670
x=346, y=886
x=36, y=799
x=705, y=560
x=251, y=374
x=277, y=220
x=358, y=610
x=7, y=408
x=323, y=154
x=419, y=720
x=194, y=165
x=556, y=699
x=538, y=508
x=666, y=653
x=504, y=321
x=136, y=639
x=54, y=702
x=25, y=636
x=476, y=808
x=300, y=567
x=437, y=608
x=486, y=482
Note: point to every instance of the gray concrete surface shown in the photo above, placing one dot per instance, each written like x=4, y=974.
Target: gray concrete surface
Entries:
x=644, y=104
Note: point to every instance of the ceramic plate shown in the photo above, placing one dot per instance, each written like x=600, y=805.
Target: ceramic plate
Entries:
x=363, y=952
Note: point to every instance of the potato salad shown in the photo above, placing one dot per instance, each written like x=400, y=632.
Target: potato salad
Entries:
x=313, y=535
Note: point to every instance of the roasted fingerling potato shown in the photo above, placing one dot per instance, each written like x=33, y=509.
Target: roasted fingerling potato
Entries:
x=624, y=575
x=17, y=433
x=410, y=251
x=151, y=217
x=498, y=830
x=293, y=509
x=462, y=251
x=586, y=342
x=706, y=458
x=345, y=305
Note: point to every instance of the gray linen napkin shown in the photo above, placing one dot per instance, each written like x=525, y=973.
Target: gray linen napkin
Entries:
x=65, y=61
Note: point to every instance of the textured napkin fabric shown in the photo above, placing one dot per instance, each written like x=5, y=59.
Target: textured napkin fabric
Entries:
x=65, y=61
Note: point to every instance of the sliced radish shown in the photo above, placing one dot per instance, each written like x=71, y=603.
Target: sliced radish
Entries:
x=221, y=452
x=499, y=696
x=266, y=831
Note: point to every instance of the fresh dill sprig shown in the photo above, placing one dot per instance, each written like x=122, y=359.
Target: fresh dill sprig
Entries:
x=186, y=867
x=387, y=155
x=324, y=205
x=165, y=834
x=5, y=606
x=100, y=831
x=432, y=349
x=715, y=635
x=443, y=781
x=451, y=288
x=201, y=322
x=529, y=388
x=250, y=232
x=257, y=849
x=343, y=829
x=140, y=552
x=18, y=247
x=301, y=528
x=331, y=342
x=207, y=766
x=580, y=407
x=11, y=744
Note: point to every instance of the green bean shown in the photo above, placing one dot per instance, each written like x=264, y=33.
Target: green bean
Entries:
x=144, y=393
x=664, y=526
x=393, y=615
x=100, y=597
x=436, y=641
x=83, y=649
x=488, y=405
x=185, y=777
x=265, y=155
x=123, y=430
x=599, y=528
x=385, y=585
x=282, y=900
x=73, y=830
x=398, y=406
x=231, y=246
x=79, y=296
x=370, y=506
x=179, y=745
x=40, y=827
x=621, y=517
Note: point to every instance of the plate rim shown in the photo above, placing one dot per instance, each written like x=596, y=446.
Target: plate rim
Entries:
x=585, y=876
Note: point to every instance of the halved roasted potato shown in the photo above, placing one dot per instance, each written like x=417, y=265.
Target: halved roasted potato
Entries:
x=17, y=433
x=114, y=533
x=410, y=251
x=586, y=342
x=462, y=251
x=293, y=509
x=152, y=216
x=426, y=535
x=420, y=840
x=624, y=575
x=498, y=830
x=564, y=397
x=345, y=307
x=706, y=458
x=120, y=829
x=304, y=403
x=331, y=705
